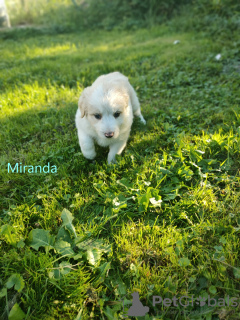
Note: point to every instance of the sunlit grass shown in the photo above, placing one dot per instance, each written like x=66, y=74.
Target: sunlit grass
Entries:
x=169, y=209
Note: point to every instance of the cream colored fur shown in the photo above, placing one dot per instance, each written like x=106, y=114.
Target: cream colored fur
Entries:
x=105, y=115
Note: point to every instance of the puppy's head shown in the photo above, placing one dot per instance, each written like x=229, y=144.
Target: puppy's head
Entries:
x=106, y=110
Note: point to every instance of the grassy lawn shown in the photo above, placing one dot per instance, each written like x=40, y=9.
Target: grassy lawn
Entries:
x=164, y=221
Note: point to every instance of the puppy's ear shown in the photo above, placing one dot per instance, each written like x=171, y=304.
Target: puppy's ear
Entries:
x=83, y=103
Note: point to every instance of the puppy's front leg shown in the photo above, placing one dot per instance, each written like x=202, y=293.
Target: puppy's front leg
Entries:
x=114, y=149
x=87, y=145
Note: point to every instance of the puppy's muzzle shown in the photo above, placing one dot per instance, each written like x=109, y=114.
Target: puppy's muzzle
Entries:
x=109, y=134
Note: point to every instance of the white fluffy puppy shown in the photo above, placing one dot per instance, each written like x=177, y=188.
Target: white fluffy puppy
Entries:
x=105, y=115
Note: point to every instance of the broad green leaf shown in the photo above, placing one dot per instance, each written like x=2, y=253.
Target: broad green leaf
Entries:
x=124, y=182
x=87, y=236
x=212, y=289
x=218, y=248
x=64, y=248
x=110, y=314
x=67, y=218
x=170, y=196
x=183, y=262
x=93, y=256
x=185, y=172
x=121, y=289
x=143, y=201
x=15, y=280
x=55, y=273
x=203, y=282
x=21, y=243
x=218, y=256
x=78, y=256
x=9, y=233
x=3, y=292
x=104, y=268
x=65, y=267
x=223, y=240
x=97, y=244
x=236, y=272
x=64, y=235
x=165, y=171
x=86, y=244
x=41, y=238
x=16, y=313
x=179, y=247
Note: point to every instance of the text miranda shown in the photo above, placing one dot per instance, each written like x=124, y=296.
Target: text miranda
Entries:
x=20, y=168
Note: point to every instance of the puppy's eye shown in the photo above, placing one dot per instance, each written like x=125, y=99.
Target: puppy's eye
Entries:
x=98, y=116
x=116, y=114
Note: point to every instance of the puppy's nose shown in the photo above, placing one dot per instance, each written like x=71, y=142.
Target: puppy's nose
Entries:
x=109, y=134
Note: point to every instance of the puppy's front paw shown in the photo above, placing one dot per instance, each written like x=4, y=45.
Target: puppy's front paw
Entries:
x=90, y=155
x=112, y=160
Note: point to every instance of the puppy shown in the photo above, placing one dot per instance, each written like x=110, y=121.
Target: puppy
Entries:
x=105, y=115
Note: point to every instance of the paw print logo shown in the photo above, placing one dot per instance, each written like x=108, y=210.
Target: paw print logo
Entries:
x=137, y=308
x=201, y=301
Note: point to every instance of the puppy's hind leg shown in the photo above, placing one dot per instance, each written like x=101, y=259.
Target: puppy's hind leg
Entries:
x=136, y=104
x=116, y=148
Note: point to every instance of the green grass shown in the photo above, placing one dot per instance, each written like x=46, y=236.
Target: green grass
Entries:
x=163, y=221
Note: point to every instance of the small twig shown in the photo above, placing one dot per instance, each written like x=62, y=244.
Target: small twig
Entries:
x=69, y=266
